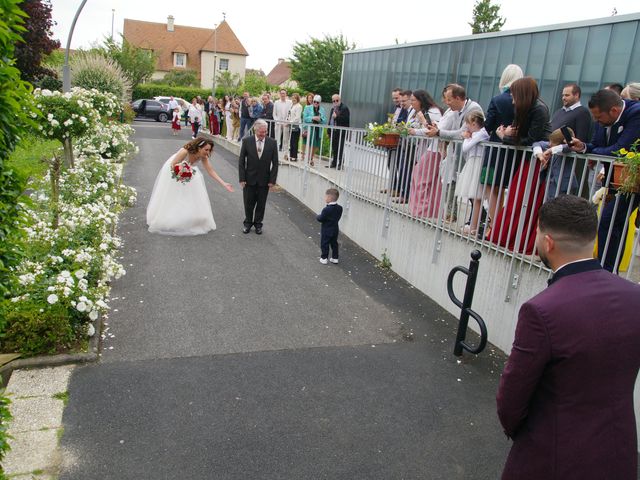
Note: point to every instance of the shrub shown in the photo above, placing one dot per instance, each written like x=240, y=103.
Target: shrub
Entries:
x=92, y=70
x=31, y=331
x=14, y=96
x=5, y=417
x=150, y=90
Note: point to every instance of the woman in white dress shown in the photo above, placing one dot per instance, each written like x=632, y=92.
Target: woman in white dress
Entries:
x=183, y=208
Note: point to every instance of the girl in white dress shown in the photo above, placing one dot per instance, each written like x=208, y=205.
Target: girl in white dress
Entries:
x=468, y=185
x=183, y=208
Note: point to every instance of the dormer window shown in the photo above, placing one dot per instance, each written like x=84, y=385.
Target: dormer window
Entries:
x=180, y=60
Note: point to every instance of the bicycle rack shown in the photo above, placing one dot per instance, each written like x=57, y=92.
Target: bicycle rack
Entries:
x=465, y=306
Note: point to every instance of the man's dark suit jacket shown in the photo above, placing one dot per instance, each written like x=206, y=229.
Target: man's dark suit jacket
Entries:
x=329, y=217
x=267, y=111
x=623, y=133
x=258, y=171
x=566, y=393
x=343, y=116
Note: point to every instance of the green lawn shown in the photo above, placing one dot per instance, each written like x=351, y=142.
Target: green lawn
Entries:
x=29, y=158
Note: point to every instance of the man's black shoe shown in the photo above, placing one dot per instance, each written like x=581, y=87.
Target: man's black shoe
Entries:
x=246, y=229
x=259, y=230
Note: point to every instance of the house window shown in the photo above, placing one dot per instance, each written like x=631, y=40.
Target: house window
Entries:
x=224, y=64
x=179, y=59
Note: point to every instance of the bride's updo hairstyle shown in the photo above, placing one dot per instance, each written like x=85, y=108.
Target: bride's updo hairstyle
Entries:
x=196, y=144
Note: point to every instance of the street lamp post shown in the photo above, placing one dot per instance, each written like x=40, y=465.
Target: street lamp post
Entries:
x=215, y=58
x=66, y=71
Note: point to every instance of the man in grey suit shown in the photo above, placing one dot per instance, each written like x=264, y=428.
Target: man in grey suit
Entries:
x=258, y=169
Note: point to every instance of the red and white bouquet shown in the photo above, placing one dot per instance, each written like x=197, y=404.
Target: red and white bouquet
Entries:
x=182, y=172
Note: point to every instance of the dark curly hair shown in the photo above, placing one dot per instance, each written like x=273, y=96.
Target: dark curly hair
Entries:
x=196, y=144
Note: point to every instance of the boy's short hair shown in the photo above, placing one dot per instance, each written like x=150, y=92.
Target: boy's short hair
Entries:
x=334, y=193
x=557, y=138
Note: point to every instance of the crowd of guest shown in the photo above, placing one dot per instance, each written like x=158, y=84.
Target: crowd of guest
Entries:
x=501, y=187
x=447, y=167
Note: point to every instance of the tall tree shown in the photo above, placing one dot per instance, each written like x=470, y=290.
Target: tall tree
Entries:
x=182, y=78
x=138, y=64
x=38, y=41
x=317, y=65
x=486, y=17
x=227, y=81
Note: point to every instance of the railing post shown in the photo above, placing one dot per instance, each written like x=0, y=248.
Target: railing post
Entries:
x=465, y=306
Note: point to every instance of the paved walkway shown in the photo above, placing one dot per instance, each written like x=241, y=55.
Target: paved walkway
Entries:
x=234, y=356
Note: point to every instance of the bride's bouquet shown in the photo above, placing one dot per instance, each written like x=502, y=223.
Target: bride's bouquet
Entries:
x=182, y=172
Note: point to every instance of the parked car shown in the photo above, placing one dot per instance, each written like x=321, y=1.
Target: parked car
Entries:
x=181, y=101
x=147, y=108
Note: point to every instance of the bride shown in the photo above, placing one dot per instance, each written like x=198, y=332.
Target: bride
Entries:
x=183, y=208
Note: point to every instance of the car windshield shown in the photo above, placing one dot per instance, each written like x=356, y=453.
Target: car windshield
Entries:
x=136, y=103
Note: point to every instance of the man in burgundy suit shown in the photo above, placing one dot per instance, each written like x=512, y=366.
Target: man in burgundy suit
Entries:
x=566, y=393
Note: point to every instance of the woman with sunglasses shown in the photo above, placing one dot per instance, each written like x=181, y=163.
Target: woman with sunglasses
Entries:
x=314, y=114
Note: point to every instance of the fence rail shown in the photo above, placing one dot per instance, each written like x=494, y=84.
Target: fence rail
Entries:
x=487, y=195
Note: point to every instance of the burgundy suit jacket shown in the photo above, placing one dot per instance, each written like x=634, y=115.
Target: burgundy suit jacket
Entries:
x=566, y=393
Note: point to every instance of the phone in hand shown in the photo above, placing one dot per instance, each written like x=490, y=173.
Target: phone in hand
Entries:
x=427, y=118
x=566, y=134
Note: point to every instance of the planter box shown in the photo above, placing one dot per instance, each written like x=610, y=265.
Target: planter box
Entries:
x=388, y=140
x=620, y=175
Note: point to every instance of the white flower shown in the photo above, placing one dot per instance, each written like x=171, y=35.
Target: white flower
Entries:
x=93, y=315
x=81, y=307
x=68, y=122
x=53, y=298
x=91, y=330
x=80, y=274
x=65, y=274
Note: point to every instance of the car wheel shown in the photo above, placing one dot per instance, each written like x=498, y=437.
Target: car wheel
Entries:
x=163, y=117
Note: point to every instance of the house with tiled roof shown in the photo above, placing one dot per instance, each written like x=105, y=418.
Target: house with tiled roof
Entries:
x=280, y=75
x=180, y=47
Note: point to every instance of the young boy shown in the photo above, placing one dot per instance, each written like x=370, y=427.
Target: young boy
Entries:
x=329, y=217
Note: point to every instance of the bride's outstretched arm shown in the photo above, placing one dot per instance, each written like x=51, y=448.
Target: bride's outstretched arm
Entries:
x=212, y=173
x=180, y=156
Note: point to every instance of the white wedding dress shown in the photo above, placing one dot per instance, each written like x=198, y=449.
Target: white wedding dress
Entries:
x=179, y=208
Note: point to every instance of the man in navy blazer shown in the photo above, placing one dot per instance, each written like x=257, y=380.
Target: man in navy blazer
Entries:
x=617, y=126
x=566, y=393
x=258, y=171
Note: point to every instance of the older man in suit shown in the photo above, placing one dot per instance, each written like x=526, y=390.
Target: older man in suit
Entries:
x=566, y=393
x=258, y=170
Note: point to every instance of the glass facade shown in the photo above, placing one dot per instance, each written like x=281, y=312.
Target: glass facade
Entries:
x=591, y=54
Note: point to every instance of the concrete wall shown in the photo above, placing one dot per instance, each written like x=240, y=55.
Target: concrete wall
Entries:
x=424, y=256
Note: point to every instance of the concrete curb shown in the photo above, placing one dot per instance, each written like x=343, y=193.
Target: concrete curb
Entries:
x=54, y=360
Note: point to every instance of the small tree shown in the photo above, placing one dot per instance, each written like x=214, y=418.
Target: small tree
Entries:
x=227, y=81
x=486, y=17
x=317, y=65
x=38, y=41
x=182, y=78
x=138, y=64
x=255, y=84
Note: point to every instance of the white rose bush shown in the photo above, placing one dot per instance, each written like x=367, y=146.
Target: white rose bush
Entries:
x=68, y=239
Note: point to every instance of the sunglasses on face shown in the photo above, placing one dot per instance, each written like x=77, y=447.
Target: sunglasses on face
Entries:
x=317, y=103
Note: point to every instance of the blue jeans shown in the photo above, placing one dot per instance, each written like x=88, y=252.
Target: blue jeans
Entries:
x=245, y=125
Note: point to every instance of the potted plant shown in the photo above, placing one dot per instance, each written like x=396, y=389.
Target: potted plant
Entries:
x=626, y=169
x=387, y=134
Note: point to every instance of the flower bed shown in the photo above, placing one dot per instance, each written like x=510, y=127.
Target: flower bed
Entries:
x=62, y=283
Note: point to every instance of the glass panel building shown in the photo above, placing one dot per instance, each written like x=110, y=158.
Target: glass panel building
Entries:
x=591, y=53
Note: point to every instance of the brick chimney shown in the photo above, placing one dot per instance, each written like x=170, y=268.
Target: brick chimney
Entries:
x=280, y=60
x=170, y=23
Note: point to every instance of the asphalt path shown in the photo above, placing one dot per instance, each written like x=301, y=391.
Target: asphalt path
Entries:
x=232, y=356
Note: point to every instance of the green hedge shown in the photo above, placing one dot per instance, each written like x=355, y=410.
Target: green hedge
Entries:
x=150, y=90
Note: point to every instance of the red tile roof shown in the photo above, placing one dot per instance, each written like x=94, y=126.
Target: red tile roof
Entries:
x=189, y=40
x=279, y=74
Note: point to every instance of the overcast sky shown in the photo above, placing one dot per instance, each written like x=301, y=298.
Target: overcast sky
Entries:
x=269, y=34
